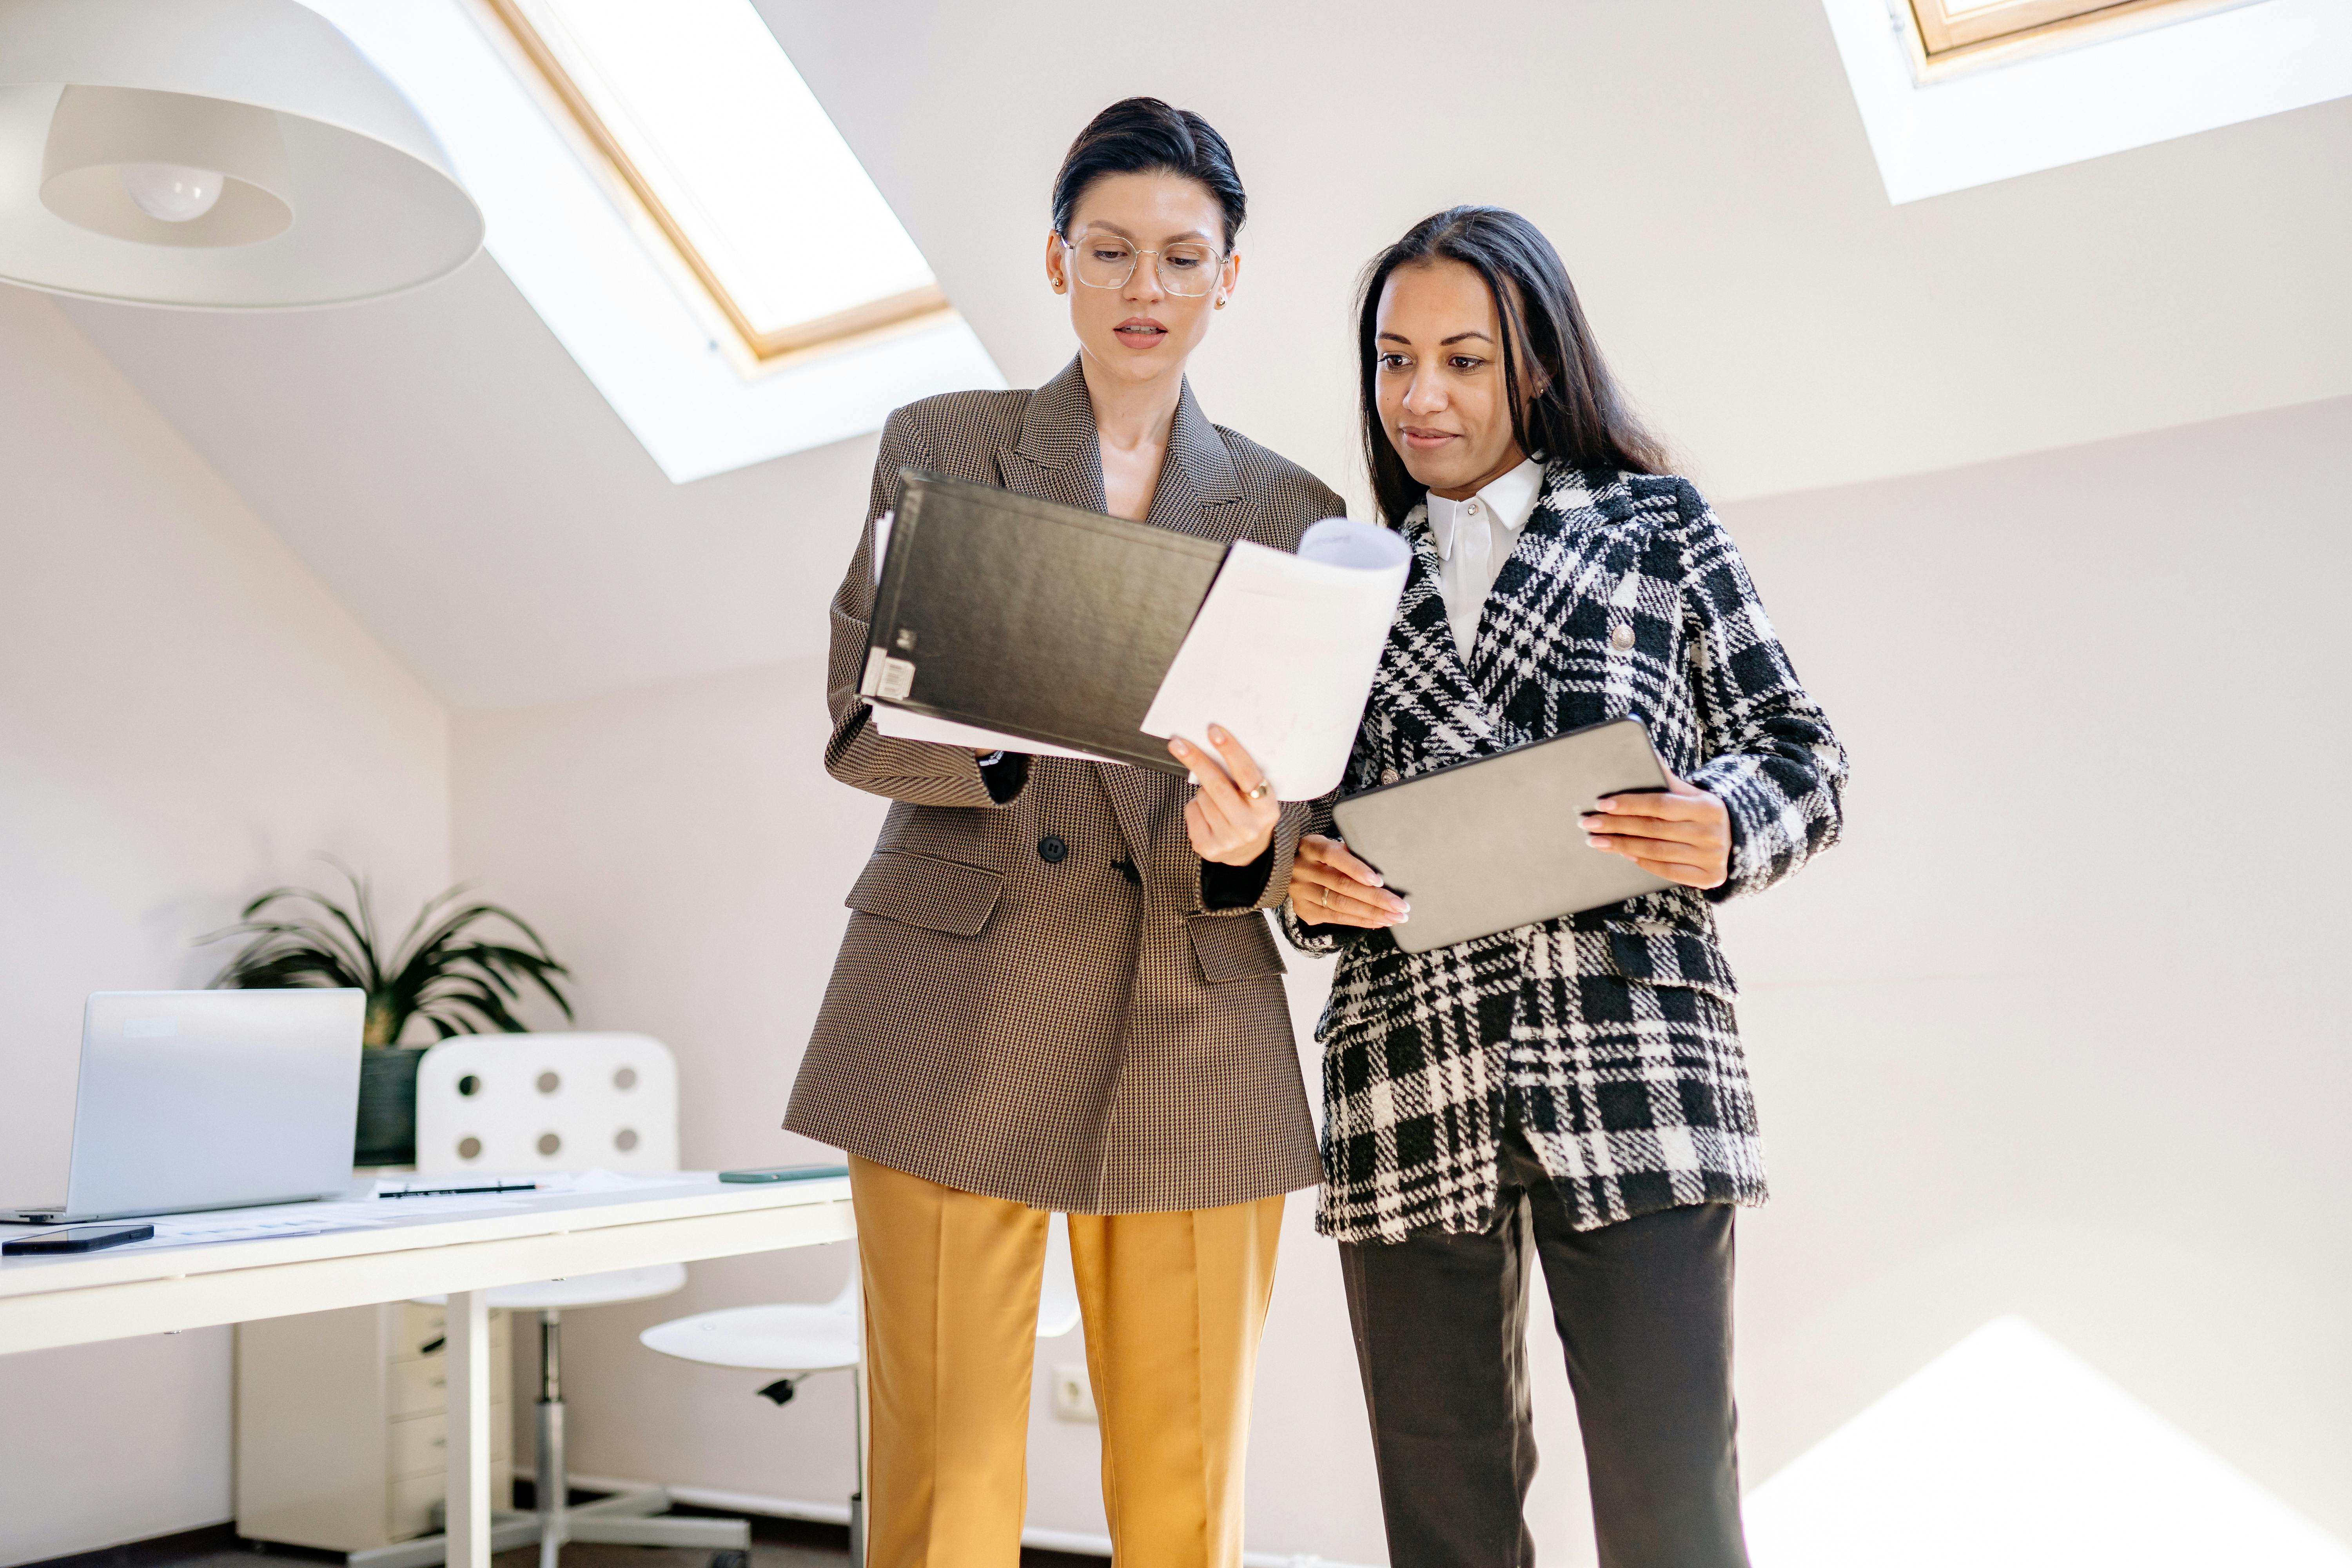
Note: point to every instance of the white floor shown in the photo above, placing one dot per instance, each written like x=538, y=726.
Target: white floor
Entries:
x=2008, y=1451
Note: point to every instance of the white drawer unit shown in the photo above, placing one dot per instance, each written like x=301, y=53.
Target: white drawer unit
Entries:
x=420, y=1385
x=343, y=1426
x=420, y=1445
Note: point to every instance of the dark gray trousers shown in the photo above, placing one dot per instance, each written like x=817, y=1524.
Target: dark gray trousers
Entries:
x=1643, y=1309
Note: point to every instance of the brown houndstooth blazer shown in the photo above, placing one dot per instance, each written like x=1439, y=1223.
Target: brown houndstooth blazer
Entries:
x=1032, y=1001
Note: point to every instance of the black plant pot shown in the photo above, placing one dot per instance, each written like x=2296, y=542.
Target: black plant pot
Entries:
x=387, y=1130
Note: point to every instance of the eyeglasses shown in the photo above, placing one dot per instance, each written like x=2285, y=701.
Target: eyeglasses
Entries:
x=1107, y=261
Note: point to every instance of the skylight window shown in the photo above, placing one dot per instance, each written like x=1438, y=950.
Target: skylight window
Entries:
x=701, y=117
x=617, y=289
x=1962, y=34
x=2159, y=68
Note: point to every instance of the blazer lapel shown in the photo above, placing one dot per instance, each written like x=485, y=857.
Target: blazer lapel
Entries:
x=1564, y=554
x=1198, y=492
x=1535, y=554
x=1057, y=458
x=1421, y=638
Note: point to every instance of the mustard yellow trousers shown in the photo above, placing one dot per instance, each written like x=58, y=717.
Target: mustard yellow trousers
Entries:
x=1174, y=1303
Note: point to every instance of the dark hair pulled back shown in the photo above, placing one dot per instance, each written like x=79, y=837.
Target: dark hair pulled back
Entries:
x=1143, y=135
x=1575, y=415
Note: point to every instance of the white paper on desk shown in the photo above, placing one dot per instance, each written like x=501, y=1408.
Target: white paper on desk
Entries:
x=604, y=1180
x=1282, y=652
x=901, y=725
x=259, y=1224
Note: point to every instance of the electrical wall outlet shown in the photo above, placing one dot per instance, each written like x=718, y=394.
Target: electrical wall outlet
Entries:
x=1074, y=1394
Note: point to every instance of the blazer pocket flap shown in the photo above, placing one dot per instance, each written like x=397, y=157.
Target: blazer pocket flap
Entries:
x=920, y=890
x=1663, y=955
x=1234, y=947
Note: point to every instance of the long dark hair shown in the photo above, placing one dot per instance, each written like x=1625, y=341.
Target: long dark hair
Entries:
x=1143, y=135
x=1575, y=416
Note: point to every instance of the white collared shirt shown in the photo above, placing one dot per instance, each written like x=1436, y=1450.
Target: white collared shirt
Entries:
x=1475, y=537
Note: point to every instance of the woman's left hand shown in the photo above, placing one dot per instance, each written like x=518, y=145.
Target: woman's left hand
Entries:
x=1233, y=813
x=1683, y=835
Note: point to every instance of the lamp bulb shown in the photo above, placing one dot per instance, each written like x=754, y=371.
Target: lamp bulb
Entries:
x=172, y=193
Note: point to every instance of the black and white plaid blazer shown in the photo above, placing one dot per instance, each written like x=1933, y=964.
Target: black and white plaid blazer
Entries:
x=1610, y=1034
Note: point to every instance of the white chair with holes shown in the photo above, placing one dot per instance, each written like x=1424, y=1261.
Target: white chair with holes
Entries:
x=799, y=1338
x=520, y=1103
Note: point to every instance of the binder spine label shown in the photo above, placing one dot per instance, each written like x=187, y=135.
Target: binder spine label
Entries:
x=898, y=678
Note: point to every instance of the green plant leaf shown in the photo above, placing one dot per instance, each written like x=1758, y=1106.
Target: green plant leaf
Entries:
x=455, y=987
x=304, y=929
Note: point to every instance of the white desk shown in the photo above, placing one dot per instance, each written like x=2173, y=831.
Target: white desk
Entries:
x=74, y=1299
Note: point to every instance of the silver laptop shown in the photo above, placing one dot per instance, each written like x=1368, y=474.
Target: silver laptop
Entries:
x=211, y=1100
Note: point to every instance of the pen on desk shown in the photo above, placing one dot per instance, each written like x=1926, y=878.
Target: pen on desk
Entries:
x=452, y=1192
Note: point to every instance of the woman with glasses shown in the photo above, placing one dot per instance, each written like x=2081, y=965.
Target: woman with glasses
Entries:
x=1571, y=1090
x=1058, y=992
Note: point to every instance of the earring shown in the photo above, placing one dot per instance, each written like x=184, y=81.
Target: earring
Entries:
x=1221, y=303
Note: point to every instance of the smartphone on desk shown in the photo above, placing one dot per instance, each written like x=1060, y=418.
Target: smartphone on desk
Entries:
x=75, y=1238
x=787, y=1173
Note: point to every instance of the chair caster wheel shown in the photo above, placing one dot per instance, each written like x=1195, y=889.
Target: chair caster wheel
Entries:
x=730, y=1560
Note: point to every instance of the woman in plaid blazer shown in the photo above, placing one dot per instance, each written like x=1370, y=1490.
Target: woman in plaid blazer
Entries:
x=1573, y=1089
x=1058, y=991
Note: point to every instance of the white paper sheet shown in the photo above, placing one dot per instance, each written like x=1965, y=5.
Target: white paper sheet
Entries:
x=901, y=725
x=260, y=1224
x=1282, y=652
x=882, y=543
x=604, y=1180
x=541, y=1184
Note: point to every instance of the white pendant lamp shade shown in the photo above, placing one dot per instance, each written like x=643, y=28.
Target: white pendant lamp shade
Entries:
x=236, y=154
x=164, y=168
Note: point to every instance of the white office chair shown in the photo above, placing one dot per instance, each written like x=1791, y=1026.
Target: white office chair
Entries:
x=519, y=1103
x=799, y=1338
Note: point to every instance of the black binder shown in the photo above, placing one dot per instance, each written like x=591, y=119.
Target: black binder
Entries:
x=1487, y=846
x=1031, y=619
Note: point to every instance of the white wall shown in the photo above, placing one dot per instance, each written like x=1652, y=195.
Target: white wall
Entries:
x=2059, y=1030
x=2062, y=1029
x=185, y=717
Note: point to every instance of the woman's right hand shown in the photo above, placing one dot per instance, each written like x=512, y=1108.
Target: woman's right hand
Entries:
x=1329, y=887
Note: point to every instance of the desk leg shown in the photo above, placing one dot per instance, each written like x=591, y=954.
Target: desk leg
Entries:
x=469, y=1430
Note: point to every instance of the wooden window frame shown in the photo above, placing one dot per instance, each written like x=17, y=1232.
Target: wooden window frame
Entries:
x=823, y=332
x=1948, y=41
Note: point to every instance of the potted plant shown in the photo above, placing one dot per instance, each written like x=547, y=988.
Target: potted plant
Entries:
x=443, y=972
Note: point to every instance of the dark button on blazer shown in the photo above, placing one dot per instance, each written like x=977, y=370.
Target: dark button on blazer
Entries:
x=1031, y=1002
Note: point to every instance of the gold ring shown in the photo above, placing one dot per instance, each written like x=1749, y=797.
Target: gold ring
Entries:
x=1260, y=790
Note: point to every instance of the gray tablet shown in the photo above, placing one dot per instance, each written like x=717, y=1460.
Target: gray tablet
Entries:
x=1487, y=846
